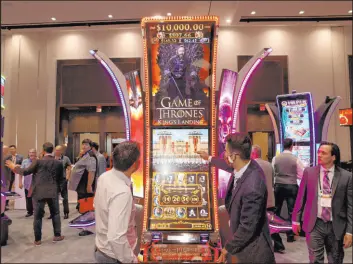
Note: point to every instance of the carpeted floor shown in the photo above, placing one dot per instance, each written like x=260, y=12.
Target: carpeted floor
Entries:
x=75, y=249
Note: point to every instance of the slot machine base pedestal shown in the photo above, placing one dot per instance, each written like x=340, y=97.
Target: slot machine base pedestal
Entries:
x=5, y=223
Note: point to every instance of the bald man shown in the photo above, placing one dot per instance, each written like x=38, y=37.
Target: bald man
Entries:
x=58, y=154
x=27, y=181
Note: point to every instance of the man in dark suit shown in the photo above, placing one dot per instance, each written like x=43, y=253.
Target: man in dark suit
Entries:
x=46, y=181
x=324, y=202
x=245, y=202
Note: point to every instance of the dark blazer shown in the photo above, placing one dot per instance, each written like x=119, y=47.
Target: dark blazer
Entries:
x=6, y=172
x=266, y=168
x=47, y=177
x=246, y=206
x=307, y=201
x=19, y=159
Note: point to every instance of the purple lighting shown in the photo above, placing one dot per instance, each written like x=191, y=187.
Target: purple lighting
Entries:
x=118, y=88
x=243, y=85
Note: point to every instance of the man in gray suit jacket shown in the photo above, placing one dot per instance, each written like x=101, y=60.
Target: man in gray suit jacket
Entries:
x=324, y=202
x=245, y=202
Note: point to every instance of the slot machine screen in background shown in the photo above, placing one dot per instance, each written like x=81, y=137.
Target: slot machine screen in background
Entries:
x=303, y=153
x=180, y=180
x=295, y=120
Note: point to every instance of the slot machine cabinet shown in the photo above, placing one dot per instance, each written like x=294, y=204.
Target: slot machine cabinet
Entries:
x=180, y=211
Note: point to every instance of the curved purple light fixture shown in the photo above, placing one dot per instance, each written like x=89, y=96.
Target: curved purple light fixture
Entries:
x=243, y=78
x=115, y=73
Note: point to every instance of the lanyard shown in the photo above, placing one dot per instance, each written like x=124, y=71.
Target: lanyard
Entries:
x=329, y=180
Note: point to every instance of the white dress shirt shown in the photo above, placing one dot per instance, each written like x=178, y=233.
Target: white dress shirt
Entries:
x=238, y=174
x=330, y=174
x=300, y=166
x=115, y=216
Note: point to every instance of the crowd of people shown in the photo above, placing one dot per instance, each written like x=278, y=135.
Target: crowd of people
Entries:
x=321, y=205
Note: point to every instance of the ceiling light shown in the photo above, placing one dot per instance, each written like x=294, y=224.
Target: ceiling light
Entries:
x=301, y=12
x=110, y=16
x=228, y=21
x=53, y=18
x=350, y=11
x=169, y=14
x=253, y=12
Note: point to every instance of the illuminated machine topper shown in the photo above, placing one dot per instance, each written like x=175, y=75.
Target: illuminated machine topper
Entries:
x=2, y=91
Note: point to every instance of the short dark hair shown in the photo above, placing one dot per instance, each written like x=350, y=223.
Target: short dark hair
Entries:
x=12, y=146
x=335, y=151
x=287, y=143
x=48, y=147
x=125, y=155
x=241, y=143
x=95, y=145
x=87, y=141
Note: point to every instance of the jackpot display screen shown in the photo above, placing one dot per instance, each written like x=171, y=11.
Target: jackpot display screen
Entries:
x=303, y=153
x=345, y=116
x=180, y=193
x=295, y=119
x=180, y=72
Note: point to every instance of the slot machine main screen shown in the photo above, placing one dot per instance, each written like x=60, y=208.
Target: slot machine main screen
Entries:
x=180, y=193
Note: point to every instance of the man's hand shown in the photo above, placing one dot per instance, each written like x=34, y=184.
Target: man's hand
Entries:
x=20, y=185
x=223, y=257
x=296, y=229
x=347, y=241
x=89, y=189
x=10, y=164
x=203, y=154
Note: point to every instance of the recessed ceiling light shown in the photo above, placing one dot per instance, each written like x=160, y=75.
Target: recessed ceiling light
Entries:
x=301, y=12
x=253, y=12
x=350, y=11
x=169, y=14
x=228, y=21
x=110, y=16
x=53, y=18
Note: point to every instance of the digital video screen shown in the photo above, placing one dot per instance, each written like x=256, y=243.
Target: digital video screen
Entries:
x=303, y=153
x=180, y=201
x=180, y=71
x=345, y=116
x=174, y=150
x=295, y=119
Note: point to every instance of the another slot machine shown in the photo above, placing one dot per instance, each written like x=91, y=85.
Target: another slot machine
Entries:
x=296, y=116
x=180, y=211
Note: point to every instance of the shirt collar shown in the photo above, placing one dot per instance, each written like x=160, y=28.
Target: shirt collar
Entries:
x=49, y=154
x=332, y=169
x=238, y=174
x=287, y=151
x=122, y=176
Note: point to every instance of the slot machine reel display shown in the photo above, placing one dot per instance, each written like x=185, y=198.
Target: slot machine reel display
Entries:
x=180, y=217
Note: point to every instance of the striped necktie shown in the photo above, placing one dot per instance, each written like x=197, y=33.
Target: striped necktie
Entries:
x=326, y=189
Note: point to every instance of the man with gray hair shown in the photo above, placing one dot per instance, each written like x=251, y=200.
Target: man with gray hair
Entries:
x=27, y=182
x=115, y=210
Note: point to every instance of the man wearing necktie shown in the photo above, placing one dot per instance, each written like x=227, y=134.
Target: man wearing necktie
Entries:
x=245, y=202
x=324, y=202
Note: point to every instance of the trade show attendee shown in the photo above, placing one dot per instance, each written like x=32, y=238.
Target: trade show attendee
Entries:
x=269, y=173
x=46, y=181
x=27, y=181
x=83, y=176
x=288, y=169
x=102, y=164
x=6, y=177
x=115, y=209
x=17, y=159
x=245, y=202
x=59, y=150
x=325, y=204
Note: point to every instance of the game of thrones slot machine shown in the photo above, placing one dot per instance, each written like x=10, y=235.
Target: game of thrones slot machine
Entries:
x=180, y=213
